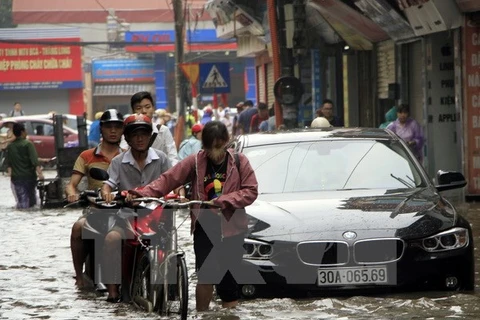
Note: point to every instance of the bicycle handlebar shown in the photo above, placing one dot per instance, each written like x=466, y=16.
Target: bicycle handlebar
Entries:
x=174, y=203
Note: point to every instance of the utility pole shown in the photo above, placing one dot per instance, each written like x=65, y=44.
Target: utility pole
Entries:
x=178, y=13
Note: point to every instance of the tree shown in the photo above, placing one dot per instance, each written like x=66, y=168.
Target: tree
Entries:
x=6, y=17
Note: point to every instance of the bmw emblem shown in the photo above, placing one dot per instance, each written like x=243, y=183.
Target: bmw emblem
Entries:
x=349, y=235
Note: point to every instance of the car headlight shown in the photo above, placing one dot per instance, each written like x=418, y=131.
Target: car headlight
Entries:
x=255, y=249
x=447, y=240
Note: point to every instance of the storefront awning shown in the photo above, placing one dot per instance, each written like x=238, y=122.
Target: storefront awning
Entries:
x=356, y=29
x=121, y=89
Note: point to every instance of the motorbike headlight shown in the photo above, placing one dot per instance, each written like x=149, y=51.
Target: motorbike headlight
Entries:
x=255, y=249
x=447, y=240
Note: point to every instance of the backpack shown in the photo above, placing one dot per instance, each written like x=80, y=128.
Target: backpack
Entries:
x=12, y=113
x=154, y=135
x=184, y=142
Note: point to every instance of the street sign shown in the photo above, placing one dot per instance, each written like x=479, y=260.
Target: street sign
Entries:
x=191, y=71
x=215, y=77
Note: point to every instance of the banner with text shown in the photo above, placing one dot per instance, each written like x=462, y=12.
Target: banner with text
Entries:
x=123, y=70
x=40, y=66
x=472, y=102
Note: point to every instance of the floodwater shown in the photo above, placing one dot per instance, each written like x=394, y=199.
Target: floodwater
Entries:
x=36, y=280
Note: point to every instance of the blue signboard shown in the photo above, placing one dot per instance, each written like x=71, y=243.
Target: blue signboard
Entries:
x=156, y=36
x=214, y=77
x=123, y=70
x=168, y=36
x=206, y=36
x=41, y=85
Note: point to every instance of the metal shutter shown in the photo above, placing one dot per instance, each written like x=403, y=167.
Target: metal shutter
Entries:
x=270, y=84
x=385, y=67
x=261, y=83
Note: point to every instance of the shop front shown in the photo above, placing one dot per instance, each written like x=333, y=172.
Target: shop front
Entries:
x=41, y=69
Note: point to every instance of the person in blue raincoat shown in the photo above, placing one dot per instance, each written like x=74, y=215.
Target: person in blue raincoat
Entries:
x=390, y=116
x=193, y=144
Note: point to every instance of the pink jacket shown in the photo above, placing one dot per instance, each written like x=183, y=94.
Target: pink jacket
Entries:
x=239, y=189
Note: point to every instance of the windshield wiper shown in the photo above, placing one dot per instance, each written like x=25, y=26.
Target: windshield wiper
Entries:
x=402, y=181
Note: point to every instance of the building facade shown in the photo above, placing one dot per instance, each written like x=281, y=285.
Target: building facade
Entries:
x=128, y=47
x=42, y=70
x=370, y=55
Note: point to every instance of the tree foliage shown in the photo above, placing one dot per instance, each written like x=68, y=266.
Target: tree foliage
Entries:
x=6, y=17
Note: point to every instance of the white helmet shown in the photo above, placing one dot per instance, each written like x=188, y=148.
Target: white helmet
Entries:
x=320, y=122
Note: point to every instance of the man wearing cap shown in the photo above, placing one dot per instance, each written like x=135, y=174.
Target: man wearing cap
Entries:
x=193, y=144
x=111, y=130
x=207, y=115
x=136, y=167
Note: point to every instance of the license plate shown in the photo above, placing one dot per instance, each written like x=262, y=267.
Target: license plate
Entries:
x=351, y=276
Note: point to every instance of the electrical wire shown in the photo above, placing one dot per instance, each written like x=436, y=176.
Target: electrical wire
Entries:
x=105, y=9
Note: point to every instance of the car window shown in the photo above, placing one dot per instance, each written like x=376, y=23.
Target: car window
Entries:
x=42, y=129
x=333, y=165
x=29, y=128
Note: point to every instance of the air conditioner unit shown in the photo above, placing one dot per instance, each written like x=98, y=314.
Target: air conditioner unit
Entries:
x=246, y=20
x=433, y=16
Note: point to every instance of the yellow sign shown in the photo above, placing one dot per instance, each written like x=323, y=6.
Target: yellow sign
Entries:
x=191, y=71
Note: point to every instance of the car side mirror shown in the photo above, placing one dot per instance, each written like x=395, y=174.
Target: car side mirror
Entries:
x=448, y=180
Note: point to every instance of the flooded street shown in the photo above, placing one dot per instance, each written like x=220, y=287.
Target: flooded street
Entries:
x=36, y=280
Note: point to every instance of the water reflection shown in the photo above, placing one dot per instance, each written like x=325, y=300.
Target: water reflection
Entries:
x=36, y=281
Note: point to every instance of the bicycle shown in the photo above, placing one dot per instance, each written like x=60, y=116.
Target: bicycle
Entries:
x=165, y=290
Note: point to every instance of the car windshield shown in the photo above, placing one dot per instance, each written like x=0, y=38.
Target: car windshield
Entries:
x=333, y=165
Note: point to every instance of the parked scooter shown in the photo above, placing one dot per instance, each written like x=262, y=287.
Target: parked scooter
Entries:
x=154, y=272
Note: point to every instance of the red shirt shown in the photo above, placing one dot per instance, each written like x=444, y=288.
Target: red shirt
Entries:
x=255, y=123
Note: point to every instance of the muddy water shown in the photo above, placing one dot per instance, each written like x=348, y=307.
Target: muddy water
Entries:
x=36, y=280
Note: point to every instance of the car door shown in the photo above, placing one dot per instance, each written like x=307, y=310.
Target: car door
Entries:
x=41, y=134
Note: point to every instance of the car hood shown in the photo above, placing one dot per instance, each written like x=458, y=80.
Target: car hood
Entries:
x=369, y=213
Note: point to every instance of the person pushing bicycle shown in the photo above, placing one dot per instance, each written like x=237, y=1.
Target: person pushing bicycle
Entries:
x=226, y=180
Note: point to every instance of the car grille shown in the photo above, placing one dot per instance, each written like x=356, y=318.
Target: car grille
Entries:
x=378, y=250
x=323, y=253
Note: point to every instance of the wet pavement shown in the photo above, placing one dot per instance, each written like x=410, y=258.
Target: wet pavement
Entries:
x=36, y=280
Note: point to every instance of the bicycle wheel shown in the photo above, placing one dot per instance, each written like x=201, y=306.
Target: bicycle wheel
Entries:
x=177, y=299
x=141, y=294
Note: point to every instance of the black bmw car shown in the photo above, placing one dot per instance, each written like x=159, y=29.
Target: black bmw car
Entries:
x=342, y=209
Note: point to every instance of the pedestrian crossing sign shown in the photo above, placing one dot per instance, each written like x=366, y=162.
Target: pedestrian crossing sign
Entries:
x=215, y=77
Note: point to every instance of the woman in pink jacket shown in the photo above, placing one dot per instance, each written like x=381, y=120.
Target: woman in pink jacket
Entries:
x=227, y=180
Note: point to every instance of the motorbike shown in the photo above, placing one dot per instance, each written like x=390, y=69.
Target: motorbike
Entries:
x=154, y=271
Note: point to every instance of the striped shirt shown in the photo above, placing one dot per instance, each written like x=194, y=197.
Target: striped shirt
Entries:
x=92, y=158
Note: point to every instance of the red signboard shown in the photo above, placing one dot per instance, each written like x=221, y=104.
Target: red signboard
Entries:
x=26, y=66
x=472, y=102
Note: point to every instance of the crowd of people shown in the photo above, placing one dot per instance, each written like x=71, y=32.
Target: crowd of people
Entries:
x=137, y=152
